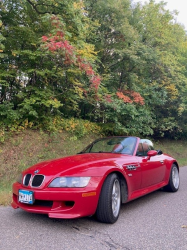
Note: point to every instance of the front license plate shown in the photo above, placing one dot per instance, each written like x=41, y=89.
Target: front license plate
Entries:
x=26, y=196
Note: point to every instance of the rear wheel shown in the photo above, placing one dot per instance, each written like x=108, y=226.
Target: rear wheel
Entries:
x=174, y=180
x=110, y=200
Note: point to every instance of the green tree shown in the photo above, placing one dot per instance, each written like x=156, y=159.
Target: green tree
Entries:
x=140, y=50
x=118, y=44
x=108, y=61
x=39, y=81
x=162, y=42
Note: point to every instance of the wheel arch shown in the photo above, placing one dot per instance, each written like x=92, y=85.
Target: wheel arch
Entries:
x=173, y=184
x=123, y=185
x=176, y=164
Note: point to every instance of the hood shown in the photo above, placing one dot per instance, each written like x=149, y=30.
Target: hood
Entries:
x=78, y=164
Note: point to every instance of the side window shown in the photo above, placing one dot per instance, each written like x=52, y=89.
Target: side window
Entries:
x=140, y=151
x=146, y=148
x=143, y=148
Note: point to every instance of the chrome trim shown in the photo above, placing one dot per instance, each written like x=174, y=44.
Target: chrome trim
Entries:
x=23, y=180
x=29, y=180
x=131, y=167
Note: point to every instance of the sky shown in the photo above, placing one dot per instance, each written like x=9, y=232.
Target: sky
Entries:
x=179, y=5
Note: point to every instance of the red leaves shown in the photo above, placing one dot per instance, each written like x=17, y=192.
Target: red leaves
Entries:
x=95, y=80
x=58, y=43
x=135, y=97
x=44, y=38
x=124, y=97
x=108, y=98
x=86, y=67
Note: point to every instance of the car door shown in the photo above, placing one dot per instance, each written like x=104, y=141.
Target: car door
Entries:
x=153, y=169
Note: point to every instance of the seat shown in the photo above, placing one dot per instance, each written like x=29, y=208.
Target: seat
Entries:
x=140, y=151
x=145, y=148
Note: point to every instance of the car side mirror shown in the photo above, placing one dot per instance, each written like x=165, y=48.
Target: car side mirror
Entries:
x=151, y=153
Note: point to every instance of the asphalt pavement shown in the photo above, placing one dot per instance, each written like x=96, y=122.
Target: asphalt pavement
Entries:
x=157, y=221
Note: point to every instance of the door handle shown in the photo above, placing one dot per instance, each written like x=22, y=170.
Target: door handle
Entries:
x=162, y=161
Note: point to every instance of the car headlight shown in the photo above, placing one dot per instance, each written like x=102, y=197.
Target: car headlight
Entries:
x=70, y=182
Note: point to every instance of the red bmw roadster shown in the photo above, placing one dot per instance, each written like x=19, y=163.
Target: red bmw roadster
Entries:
x=107, y=173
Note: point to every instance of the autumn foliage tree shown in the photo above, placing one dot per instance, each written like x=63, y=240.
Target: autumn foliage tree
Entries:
x=120, y=64
x=141, y=50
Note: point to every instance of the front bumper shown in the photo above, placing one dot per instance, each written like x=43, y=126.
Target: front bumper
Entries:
x=64, y=203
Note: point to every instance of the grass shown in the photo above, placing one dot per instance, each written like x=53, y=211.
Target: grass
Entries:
x=177, y=149
x=29, y=147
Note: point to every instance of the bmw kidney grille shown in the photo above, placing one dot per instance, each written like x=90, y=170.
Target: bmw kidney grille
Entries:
x=34, y=181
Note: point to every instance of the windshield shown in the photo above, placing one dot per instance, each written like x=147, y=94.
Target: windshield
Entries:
x=121, y=145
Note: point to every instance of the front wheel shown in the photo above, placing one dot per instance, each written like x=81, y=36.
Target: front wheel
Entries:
x=174, y=180
x=110, y=200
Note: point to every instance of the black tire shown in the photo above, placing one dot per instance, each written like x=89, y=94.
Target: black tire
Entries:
x=110, y=200
x=173, y=184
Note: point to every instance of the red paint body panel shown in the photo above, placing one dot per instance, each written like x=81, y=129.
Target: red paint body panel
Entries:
x=83, y=206
x=142, y=175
